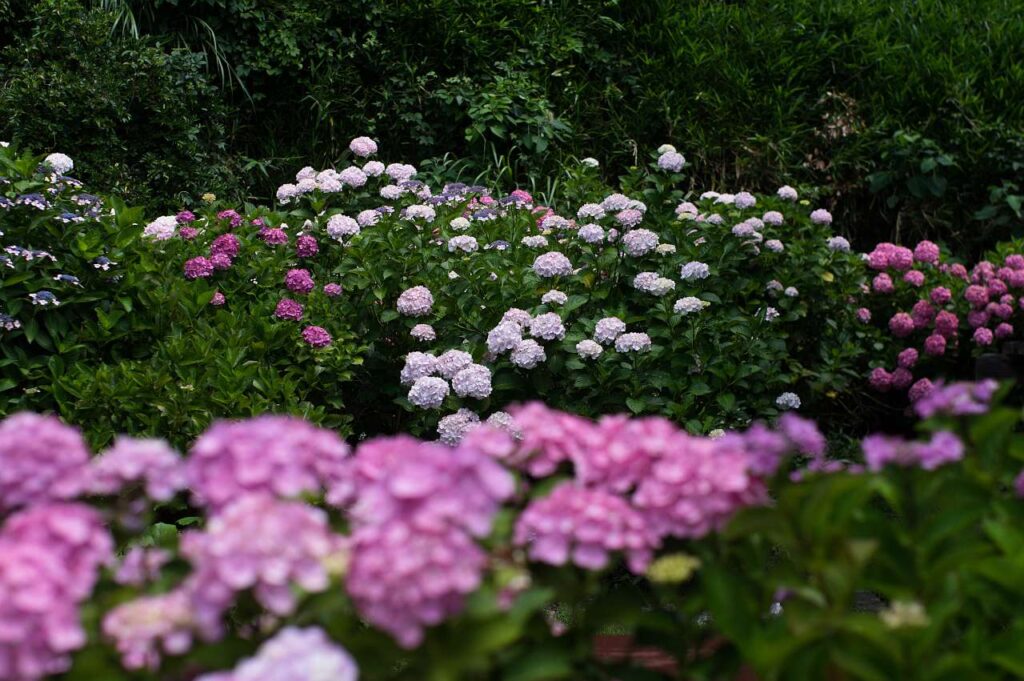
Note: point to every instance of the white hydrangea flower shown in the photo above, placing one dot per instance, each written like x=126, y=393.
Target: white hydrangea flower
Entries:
x=608, y=329
x=429, y=392
x=633, y=342
x=452, y=362
x=787, y=400
x=452, y=428
x=588, y=349
x=504, y=337
x=418, y=365
x=554, y=297
x=161, y=229
x=692, y=271
x=590, y=162
x=459, y=224
x=689, y=305
x=464, y=243
x=61, y=163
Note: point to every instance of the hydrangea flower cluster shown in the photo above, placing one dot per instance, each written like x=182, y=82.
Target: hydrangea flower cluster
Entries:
x=41, y=459
x=295, y=654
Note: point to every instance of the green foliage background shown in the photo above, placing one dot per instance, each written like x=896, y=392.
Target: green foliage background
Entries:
x=909, y=114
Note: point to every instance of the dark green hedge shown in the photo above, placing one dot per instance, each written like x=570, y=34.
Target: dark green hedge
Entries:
x=909, y=113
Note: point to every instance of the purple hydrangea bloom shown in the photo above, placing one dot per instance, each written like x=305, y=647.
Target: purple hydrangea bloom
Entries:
x=415, y=302
x=198, y=268
x=151, y=463
x=298, y=281
x=288, y=309
x=552, y=264
x=294, y=654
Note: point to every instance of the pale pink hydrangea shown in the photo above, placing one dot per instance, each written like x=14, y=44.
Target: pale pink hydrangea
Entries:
x=608, y=329
x=473, y=381
x=451, y=429
x=340, y=227
x=882, y=450
x=633, y=342
x=416, y=302
x=591, y=233
x=588, y=349
x=504, y=337
x=423, y=332
x=452, y=362
x=352, y=177
x=145, y=629
x=639, y=242
x=821, y=217
x=418, y=365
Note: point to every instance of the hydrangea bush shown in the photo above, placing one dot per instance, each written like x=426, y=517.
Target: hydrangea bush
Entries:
x=704, y=310
x=60, y=269
x=508, y=554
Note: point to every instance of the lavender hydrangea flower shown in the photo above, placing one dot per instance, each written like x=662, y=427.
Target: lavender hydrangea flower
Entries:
x=298, y=281
x=295, y=654
x=547, y=326
x=590, y=211
x=694, y=271
x=340, y=226
x=352, y=177
x=633, y=342
x=787, y=400
x=534, y=241
x=591, y=233
x=554, y=297
x=373, y=169
x=428, y=392
x=615, y=202
x=452, y=429
x=423, y=332
x=528, y=354
x=418, y=365
x=787, y=193
x=689, y=305
x=472, y=381
x=671, y=161
x=608, y=329
x=821, y=217
x=552, y=264
x=452, y=362
x=504, y=337
x=629, y=218
x=466, y=244
x=363, y=147
x=419, y=212
x=639, y=242
x=588, y=349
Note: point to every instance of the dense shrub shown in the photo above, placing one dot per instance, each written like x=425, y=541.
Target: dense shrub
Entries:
x=505, y=556
x=139, y=120
x=61, y=270
x=861, y=98
x=733, y=307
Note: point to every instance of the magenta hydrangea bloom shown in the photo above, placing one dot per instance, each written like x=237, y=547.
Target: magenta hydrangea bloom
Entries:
x=231, y=215
x=617, y=452
x=226, y=244
x=946, y=324
x=316, y=336
x=882, y=283
x=40, y=459
x=288, y=309
x=332, y=290
x=935, y=345
x=185, y=216
x=976, y=295
x=864, y=315
x=940, y=295
x=926, y=252
x=983, y=336
x=306, y=246
x=585, y=526
x=280, y=455
x=144, y=629
x=198, y=268
x=415, y=302
x=220, y=261
x=880, y=379
x=273, y=236
x=140, y=565
x=695, y=488
x=403, y=579
x=907, y=358
x=803, y=434
x=915, y=278
x=901, y=325
x=266, y=545
x=425, y=484
x=188, y=233
x=298, y=281
x=218, y=299
x=150, y=463
x=294, y=655
x=957, y=399
x=921, y=389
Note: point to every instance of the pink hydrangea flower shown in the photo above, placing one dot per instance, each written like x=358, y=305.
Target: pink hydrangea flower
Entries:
x=415, y=302
x=188, y=233
x=220, y=261
x=882, y=450
x=280, y=455
x=976, y=295
x=585, y=526
x=880, y=379
x=882, y=283
x=864, y=315
x=946, y=324
x=907, y=358
x=940, y=295
x=40, y=459
x=332, y=290
x=151, y=463
x=915, y=278
x=403, y=579
x=957, y=399
x=983, y=336
x=921, y=389
x=262, y=544
x=363, y=147
x=935, y=345
x=1004, y=331
x=273, y=236
x=145, y=628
